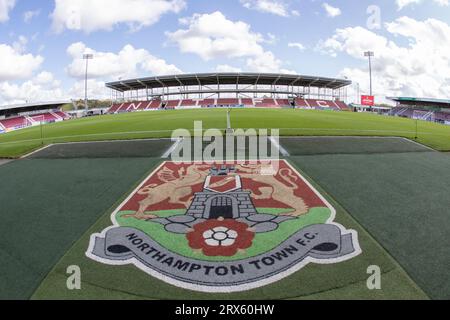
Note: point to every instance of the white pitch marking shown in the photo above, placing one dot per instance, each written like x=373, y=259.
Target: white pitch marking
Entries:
x=419, y=144
x=5, y=161
x=36, y=151
x=282, y=150
x=171, y=149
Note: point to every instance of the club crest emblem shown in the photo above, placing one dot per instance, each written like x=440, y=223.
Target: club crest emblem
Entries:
x=224, y=227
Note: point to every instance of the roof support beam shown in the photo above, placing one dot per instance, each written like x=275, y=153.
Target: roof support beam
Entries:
x=219, y=79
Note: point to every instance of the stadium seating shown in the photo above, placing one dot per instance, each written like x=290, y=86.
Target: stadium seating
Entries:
x=115, y=107
x=135, y=106
x=425, y=115
x=154, y=104
x=301, y=103
x=44, y=117
x=415, y=113
x=227, y=102
x=124, y=107
x=341, y=105
x=143, y=106
x=224, y=102
x=408, y=113
x=312, y=103
x=442, y=116
x=207, y=102
x=172, y=104
x=189, y=103
x=401, y=111
x=247, y=102
x=61, y=115
x=321, y=104
x=283, y=103
x=15, y=123
x=266, y=103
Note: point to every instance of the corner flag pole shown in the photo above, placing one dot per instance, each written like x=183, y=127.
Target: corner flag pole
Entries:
x=417, y=131
x=41, y=129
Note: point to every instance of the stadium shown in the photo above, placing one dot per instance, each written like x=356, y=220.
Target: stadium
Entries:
x=358, y=172
x=230, y=90
x=229, y=157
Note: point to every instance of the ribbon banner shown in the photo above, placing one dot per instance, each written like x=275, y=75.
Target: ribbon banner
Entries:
x=317, y=243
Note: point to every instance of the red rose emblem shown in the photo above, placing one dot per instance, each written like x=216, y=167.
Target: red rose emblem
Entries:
x=220, y=237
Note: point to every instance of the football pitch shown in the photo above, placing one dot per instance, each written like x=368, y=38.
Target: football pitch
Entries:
x=160, y=124
x=391, y=191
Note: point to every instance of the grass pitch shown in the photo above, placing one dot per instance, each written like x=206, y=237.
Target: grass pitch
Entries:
x=159, y=124
x=392, y=191
x=68, y=198
x=46, y=205
x=338, y=281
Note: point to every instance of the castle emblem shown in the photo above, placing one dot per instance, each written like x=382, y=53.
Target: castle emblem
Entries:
x=223, y=228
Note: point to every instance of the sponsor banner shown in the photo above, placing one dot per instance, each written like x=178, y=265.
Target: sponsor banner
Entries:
x=368, y=101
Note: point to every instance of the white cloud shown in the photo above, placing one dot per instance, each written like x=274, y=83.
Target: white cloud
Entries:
x=29, y=15
x=267, y=62
x=271, y=39
x=296, y=45
x=20, y=45
x=96, y=89
x=227, y=68
x=128, y=62
x=213, y=36
x=404, y=3
x=93, y=15
x=42, y=87
x=331, y=11
x=46, y=78
x=5, y=7
x=106, y=66
x=420, y=68
x=15, y=64
x=277, y=7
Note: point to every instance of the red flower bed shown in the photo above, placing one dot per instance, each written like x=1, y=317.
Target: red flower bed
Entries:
x=220, y=237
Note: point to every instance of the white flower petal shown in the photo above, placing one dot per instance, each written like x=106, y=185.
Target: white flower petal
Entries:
x=212, y=242
x=220, y=229
x=208, y=234
x=227, y=242
x=232, y=234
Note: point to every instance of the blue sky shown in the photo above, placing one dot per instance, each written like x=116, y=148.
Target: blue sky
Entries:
x=41, y=42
